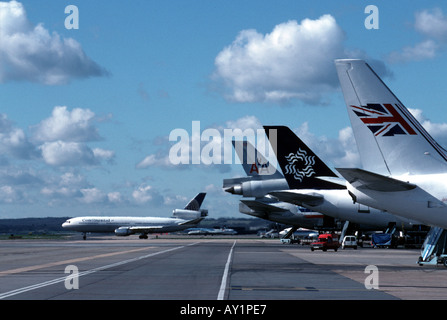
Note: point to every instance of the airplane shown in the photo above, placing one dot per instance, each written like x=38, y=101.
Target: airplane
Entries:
x=181, y=219
x=301, y=233
x=261, y=178
x=313, y=185
x=404, y=169
x=211, y=231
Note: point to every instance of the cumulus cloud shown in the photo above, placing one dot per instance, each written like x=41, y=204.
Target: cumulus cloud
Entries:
x=32, y=53
x=336, y=152
x=210, y=143
x=437, y=130
x=13, y=141
x=61, y=153
x=147, y=194
x=75, y=125
x=432, y=24
x=63, y=136
x=293, y=62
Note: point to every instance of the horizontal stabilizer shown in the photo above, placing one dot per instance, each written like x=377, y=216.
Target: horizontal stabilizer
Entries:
x=362, y=179
x=262, y=206
x=298, y=197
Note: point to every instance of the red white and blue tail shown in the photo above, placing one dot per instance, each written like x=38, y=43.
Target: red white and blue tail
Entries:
x=389, y=138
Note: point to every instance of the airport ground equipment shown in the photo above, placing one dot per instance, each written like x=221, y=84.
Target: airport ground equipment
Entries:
x=325, y=241
x=434, y=248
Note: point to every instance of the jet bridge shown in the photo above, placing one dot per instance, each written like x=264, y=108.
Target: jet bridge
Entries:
x=434, y=249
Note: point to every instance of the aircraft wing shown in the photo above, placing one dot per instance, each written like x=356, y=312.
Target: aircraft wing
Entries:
x=298, y=197
x=125, y=231
x=261, y=206
x=362, y=179
x=146, y=229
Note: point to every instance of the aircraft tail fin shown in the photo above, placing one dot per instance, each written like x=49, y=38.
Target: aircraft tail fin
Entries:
x=389, y=138
x=196, y=203
x=300, y=166
x=254, y=162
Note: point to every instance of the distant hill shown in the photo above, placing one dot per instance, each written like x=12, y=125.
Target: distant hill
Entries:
x=26, y=225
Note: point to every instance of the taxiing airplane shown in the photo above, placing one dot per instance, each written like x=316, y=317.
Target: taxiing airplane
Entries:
x=315, y=186
x=181, y=219
x=404, y=169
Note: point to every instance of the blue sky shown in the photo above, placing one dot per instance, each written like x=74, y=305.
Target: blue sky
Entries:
x=86, y=113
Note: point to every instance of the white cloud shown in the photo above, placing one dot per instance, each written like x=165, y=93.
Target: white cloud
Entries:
x=61, y=153
x=432, y=23
x=13, y=141
x=437, y=130
x=32, y=53
x=336, y=152
x=75, y=125
x=102, y=154
x=215, y=142
x=293, y=61
x=154, y=160
x=62, y=138
x=145, y=194
x=92, y=195
x=421, y=51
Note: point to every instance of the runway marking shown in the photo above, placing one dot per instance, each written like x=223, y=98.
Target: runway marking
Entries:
x=83, y=273
x=246, y=288
x=70, y=261
x=223, y=284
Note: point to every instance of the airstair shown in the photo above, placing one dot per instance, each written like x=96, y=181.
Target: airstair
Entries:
x=434, y=249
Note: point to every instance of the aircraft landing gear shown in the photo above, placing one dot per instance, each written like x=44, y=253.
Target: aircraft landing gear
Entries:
x=143, y=236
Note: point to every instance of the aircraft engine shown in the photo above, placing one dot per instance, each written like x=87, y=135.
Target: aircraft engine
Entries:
x=189, y=214
x=123, y=231
x=258, y=188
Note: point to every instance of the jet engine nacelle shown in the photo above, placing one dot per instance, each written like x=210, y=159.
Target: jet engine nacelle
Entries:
x=258, y=188
x=189, y=214
x=123, y=232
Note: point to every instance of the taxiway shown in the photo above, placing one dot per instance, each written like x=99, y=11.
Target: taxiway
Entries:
x=208, y=269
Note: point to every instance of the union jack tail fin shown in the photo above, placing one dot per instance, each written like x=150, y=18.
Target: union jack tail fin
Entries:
x=389, y=138
x=299, y=165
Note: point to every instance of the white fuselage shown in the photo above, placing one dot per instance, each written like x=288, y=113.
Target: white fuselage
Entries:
x=338, y=204
x=110, y=224
x=426, y=203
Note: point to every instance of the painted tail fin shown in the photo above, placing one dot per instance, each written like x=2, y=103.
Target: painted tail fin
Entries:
x=195, y=203
x=389, y=139
x=300, y=166
x=254, y=162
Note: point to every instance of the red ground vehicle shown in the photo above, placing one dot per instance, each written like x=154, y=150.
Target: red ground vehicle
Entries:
x=325, y=241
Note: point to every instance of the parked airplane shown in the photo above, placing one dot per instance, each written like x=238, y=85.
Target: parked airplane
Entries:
x=262, y=178
x=404, y=168
x=315, y=186
x=211, y=231
x=181, y=219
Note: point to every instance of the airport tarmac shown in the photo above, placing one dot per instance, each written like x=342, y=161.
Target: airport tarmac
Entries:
x=207, y=268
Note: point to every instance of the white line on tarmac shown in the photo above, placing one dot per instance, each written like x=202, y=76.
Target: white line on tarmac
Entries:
x=83, y=273
x=223, y=284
